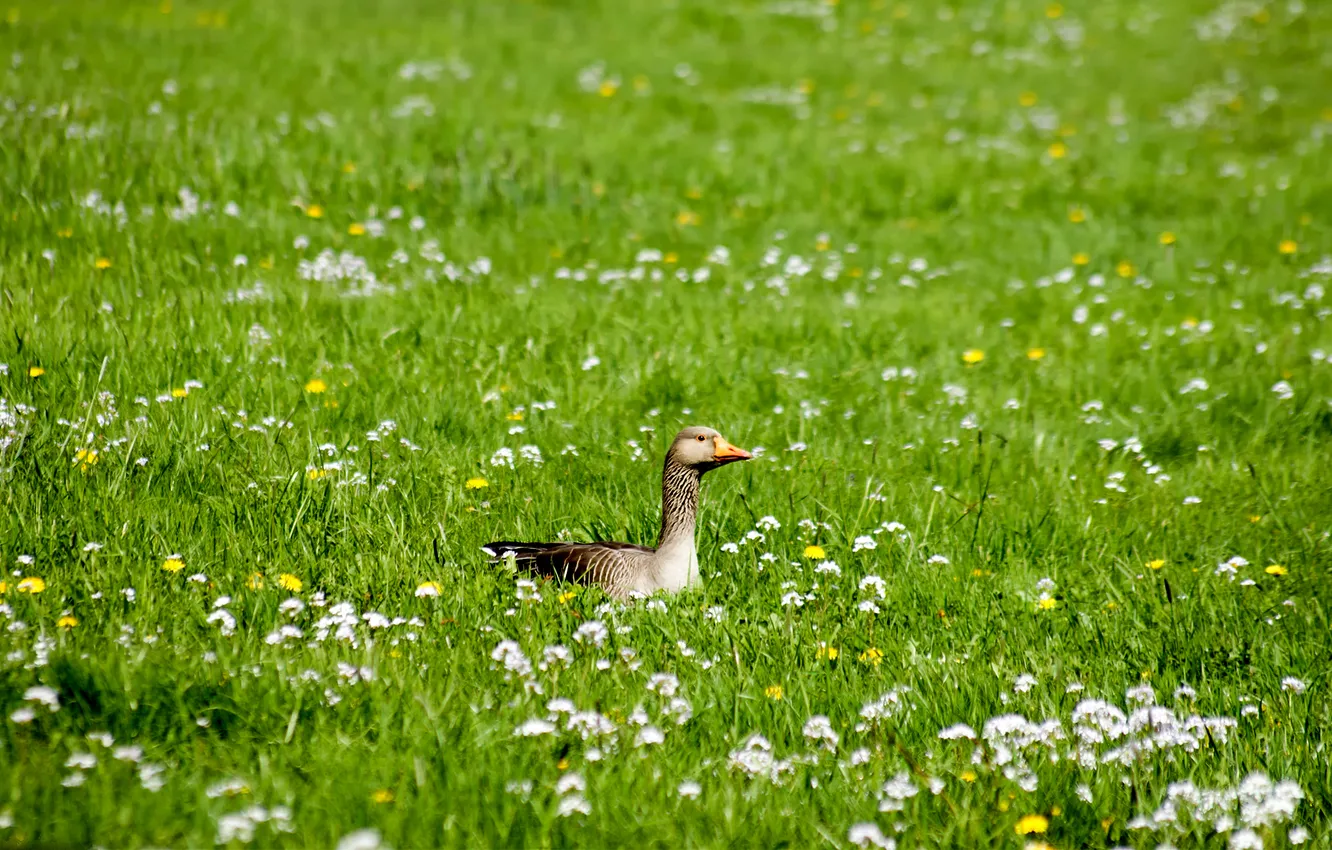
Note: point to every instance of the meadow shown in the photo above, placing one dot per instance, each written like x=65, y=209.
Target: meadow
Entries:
x=1021, y=306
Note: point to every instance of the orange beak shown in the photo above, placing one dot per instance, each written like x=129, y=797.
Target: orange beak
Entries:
x=726, y=453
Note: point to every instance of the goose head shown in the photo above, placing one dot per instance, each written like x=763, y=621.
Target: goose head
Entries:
x=703, y=449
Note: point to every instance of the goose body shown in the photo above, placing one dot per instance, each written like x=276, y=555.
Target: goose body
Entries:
x=623, y=569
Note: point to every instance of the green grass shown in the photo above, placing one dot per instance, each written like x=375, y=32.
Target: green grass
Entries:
x=936, y=168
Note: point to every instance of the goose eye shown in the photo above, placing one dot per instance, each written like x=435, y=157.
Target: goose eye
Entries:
x=700, y=438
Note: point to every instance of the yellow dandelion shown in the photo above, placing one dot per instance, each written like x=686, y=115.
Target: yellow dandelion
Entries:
x=429, y=588
x=65, y=232
x=316, y=386
x=1028, y=824
x=1035, y=353
x=1255, y=518
x=67, y=621
x=86, y=459
x=1288, y=246
x=968, y=776
x=1046, y=603
x=1055, y=811
x=349, y=168
x=516, y=416
x=872, y=656
x=36, y=371
x=822, y=244
x=104, y=263
x=1058, y=150
x=1054, y=10
x=1077, y=215
x=829, y=653
x=1156, y=563
x=1167, y=238
x=314, y=211
x=287, y=581
x=773, y=692
x=608, y=88
x=173, y=564
x=972, y=356
x=1081, y=259
x=356, y=229
x=477, y=484
x=1037, y=845
x=565, y=597
x=314, y=473
x=1275, y=570
x=1125, y=269
x=671, y=258
x=31, y=584
x=383, y=795
x=179, y=392
x=815, y=552
x=1028, y=99
x=686, y=218
x=256, y=581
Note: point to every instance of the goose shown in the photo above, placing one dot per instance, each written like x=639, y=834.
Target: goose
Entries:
x=623, y=569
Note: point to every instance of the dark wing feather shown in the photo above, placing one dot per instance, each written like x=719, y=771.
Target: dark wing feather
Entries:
x=605, y=564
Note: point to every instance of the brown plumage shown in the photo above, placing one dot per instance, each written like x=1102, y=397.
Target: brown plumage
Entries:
x=623, y=568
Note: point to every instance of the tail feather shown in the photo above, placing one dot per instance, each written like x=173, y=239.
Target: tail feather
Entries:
x=499, y=550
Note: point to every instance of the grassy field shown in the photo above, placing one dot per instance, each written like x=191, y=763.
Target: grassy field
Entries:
x=1024, y=304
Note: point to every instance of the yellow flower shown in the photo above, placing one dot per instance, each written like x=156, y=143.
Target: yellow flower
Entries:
x=1028, y=99
x=1035, y=353
x=1045, y=603
x=179, y=392
x=477, y=484
x=383, y=795
x=1081, y=259
x=36, y=371
x=65, y=232
x=4, y=588
x=316, y=386
x=31, y=584
x=968, y=776
x=1058, y=150
x=314, y=473
x=349, y=168
x=608, y=88
x=1275, y=570
x=1125, y=269
x=1027, y=824
x=287, y=581
x=1054, y=10
x=104, y=263
x=1255, y=518
x=1077, y=215
x=671, y=258
x=356, y=229
x=815, y=552
x=872, y=656
x=972, y=356
x=256, y=581
x=1156, y=564
x=86, y=459
x=773, y=692
x=828, y=652
x=314, y=211
x=565, y=597
x=686, y=218
x=516, y=416
x=173, y=564
x=1288, y=246
x=429, y=588
x=67, y=621
x=1037, y=845
x=1167, y=238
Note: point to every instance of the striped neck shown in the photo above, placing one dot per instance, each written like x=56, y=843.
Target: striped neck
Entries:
x=679, y=503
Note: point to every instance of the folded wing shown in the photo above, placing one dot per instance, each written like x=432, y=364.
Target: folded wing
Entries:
x=611, y=565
